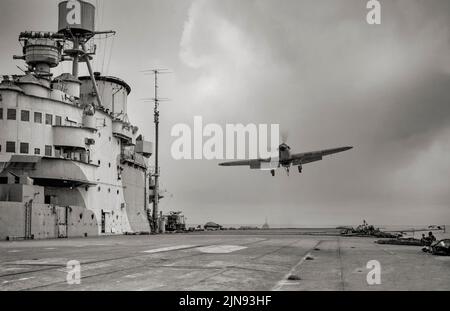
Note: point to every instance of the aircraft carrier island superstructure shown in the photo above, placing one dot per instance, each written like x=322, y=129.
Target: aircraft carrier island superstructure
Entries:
x=71, y=163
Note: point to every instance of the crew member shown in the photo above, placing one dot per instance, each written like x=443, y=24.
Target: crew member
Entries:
x=431, y=237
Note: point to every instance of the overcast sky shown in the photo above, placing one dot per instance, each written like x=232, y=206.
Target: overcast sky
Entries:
x=316, y=68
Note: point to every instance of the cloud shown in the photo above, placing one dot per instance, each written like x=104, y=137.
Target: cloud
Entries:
x=210, y=40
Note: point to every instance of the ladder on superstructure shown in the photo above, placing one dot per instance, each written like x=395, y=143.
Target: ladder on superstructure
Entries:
x=28, y=212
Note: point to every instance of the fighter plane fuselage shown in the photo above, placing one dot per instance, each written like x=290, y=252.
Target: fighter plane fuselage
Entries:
x=284, y=155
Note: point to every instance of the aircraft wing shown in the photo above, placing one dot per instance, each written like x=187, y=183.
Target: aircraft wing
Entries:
x=308, y=157
x=237, y=163
x=254, y=164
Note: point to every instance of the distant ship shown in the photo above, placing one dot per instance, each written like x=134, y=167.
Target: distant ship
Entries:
x=71, y=163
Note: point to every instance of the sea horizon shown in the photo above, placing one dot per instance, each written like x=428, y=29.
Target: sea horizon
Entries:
x=396, y=227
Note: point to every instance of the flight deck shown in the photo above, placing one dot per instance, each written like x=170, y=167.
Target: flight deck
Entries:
x=286, y=260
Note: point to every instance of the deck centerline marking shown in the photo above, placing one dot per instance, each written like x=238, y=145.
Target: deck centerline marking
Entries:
x=284, y=281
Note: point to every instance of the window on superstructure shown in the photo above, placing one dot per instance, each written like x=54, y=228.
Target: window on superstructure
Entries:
x=48, y=119
x=11, y=114
x=48, y=151
x=37, y=117
x=37, y=151
x=25, y=116
x=11, y=146
x=1, y=113
x=24, y=148
x=58, y=120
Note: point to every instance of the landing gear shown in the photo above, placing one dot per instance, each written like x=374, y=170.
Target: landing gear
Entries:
x=300, y=169
x=272, y=172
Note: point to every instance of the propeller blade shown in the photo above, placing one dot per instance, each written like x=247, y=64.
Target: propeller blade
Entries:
x=284, y=137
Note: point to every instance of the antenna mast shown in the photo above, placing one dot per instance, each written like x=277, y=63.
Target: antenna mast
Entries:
x=156, y=100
